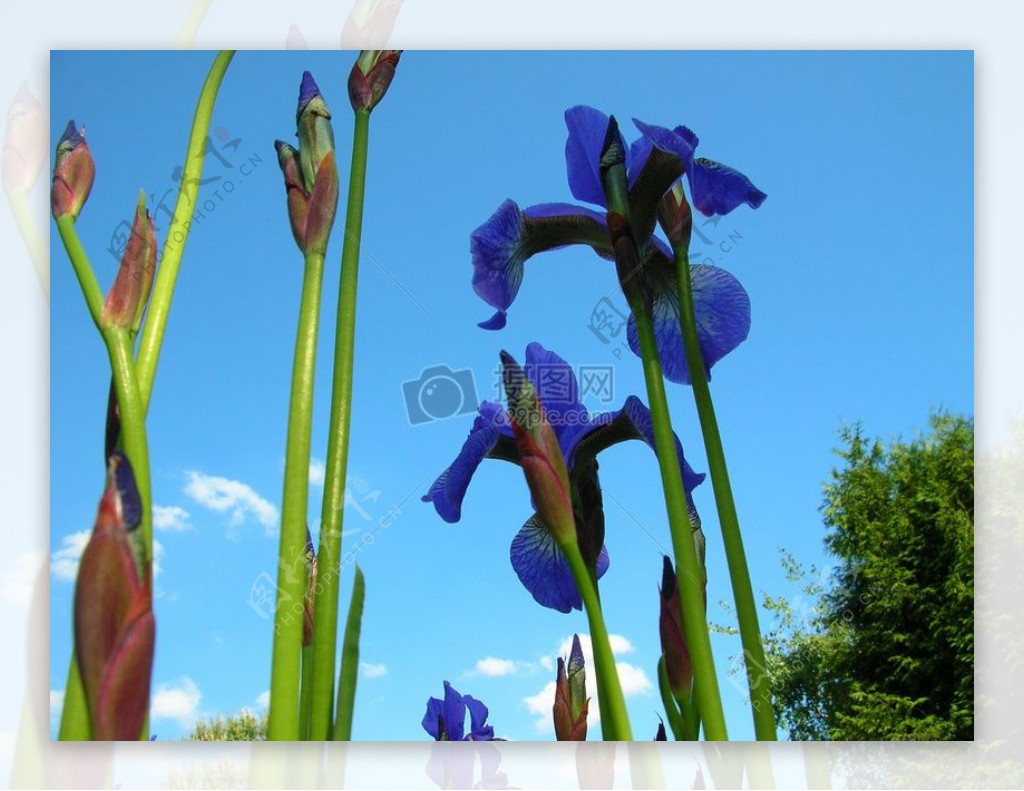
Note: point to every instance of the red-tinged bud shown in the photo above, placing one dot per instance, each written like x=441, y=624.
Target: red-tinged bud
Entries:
x=126, y=301
x=73, y=173
x=24, y=148
x=309, y=596
x=114, y=627
x=371, y=76
x=675, y=216
x=540, y=454
x=571, y=702
x=674, y=648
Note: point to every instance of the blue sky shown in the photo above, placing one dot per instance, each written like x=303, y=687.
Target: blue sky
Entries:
x=859, y=268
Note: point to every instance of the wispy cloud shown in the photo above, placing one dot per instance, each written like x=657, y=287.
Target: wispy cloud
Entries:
x=64, y=562
x=179, y=702
x=224, y=495
x=316, y=472
x=632, y=678
x=263, y=699
x=17, y=580
x=493, y=667
x=171, y=519
x=56, y=702
x=371, y=670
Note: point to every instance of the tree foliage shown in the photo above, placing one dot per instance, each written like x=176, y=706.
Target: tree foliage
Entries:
x=245, y=726
x=881, y=646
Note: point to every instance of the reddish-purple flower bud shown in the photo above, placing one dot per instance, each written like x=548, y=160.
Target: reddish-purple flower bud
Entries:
x=674, y=648
x=540, y=454
x=571, y=701
x=309, y=596
x=371, y=76
x=675, y=216
x=126, y=301
x=24, y=150
x=114, y=626
x=73, y=173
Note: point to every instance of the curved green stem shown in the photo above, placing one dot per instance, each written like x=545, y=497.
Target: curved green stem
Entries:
x=177, y=233
x=688, y=569
x=283, y=721
x=305, y=691
x=675, y=720
x=325, y=614
x=30, y=235
x=83, y=269
x=350, y=660
x=74, y=716
x=614, y=719
x=739, y=574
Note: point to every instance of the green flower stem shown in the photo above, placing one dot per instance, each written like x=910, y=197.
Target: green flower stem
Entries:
x=614, y=719
x=83, y=269
x=75, y=725
x=688, y=569
x=350, y=660
x=675, y=721
x=283, y=721
x=30, y=235
x=305, y=691
x=325, y=614
x=743, y=592
x=177, y=234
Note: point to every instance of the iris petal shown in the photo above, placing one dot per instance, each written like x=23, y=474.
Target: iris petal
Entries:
x=718, y=189
x=454, y=713
x=449, y=490
x=587, y=130
x=668, y=140
x=544, y=570
x=478, y=728
x=557, y=389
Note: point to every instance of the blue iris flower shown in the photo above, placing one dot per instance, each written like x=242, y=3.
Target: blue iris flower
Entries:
x=536, y=558
x=445, y=720
x=501, y=246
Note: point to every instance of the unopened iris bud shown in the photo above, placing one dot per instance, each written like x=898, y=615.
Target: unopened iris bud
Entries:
x=571, y=702
x=371, y=76
x=309, y=597
x=310, y=173
x=541, y=455
x=24, y=150
x=114, y=626
x=73, y=173
x=674, y=648
x=676, y=217
x=126, y=301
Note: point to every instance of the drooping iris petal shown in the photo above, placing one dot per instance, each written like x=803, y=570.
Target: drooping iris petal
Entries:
x=722, y=310
x=479, y=730
x=718, y=189
x=450, y=487
x=557, y=389
x=544, y=570
x=681, y=145
x=501, y=246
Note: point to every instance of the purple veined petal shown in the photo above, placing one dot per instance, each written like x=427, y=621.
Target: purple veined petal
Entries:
x=640, y=416
x=479, y=730
x=454, y=713
x=449, y=490
x=587, y=130
x=668, y=140
x=688, y=135
x=501, y=246
x=718, y=189
x=557, y=388
x=544, y=570
x=722, y=310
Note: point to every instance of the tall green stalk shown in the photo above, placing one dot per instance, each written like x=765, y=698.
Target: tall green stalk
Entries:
x=174, y=247
x=325, y=614
x=283, y=721
x=688, y=568
x=739, y=574
x=614, y=718
x=349, y=674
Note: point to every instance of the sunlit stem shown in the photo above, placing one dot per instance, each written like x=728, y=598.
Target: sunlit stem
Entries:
x=743, y=592
x=325, y=614
x=689, y=573
x=614, y=719
x=83, y=269
x=177, y=234
x=283, y=719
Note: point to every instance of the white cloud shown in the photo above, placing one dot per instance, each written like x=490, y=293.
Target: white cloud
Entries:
x=16, y=582
x=316, y=472
x=263, y=699
x=491, y=666
x=221, y=494
x=64, y=562
x=177, y=702
x=371, y=670
x=171, y=518
x=632, y=678
x=547, y=663
x=56, y=702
